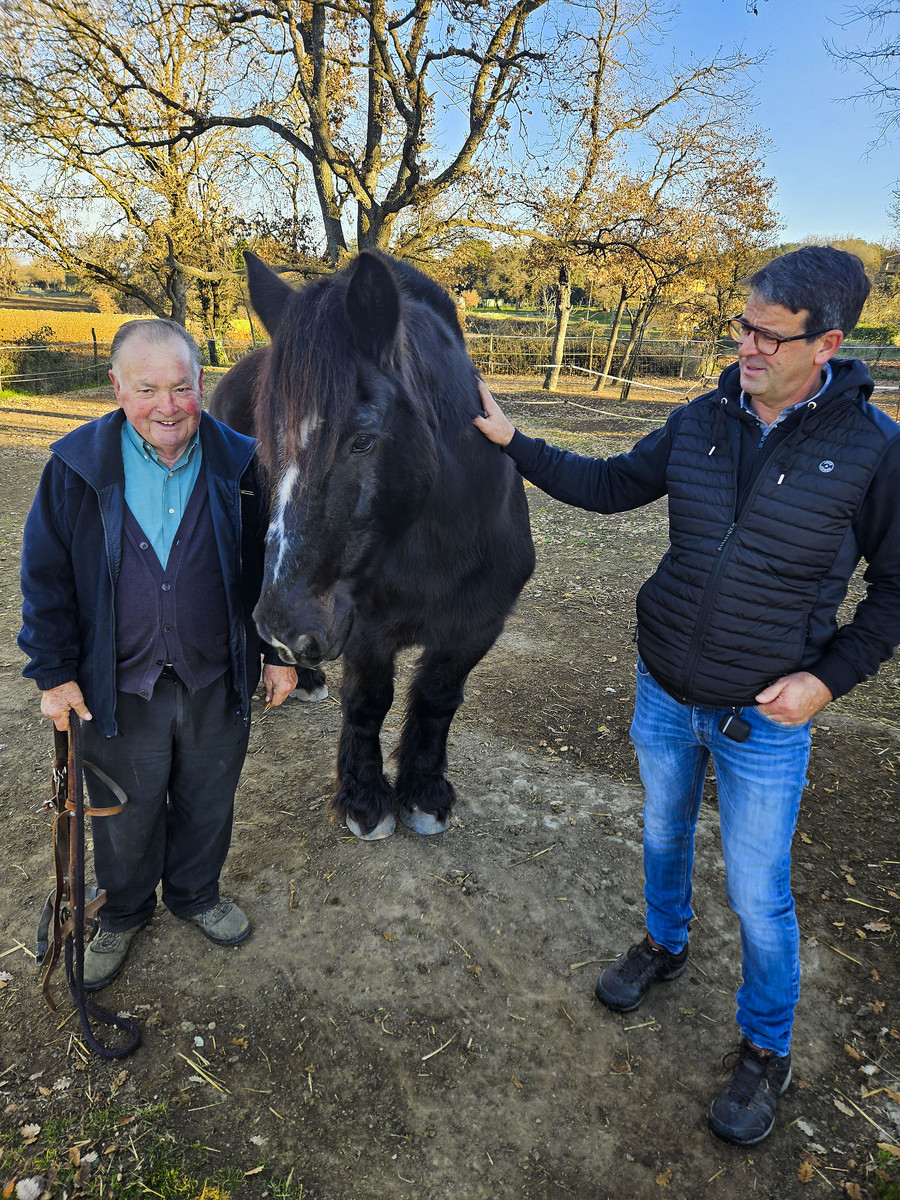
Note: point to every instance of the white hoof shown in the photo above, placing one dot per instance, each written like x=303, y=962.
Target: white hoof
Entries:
x=319, y=693
x=423, y=822
x=383, y=829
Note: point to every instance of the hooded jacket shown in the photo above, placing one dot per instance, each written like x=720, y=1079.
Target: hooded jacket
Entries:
x=72, y=552
x=765, y=534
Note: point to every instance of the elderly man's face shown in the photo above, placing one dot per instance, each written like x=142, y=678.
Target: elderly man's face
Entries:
x=793, y=373
x=161, y=393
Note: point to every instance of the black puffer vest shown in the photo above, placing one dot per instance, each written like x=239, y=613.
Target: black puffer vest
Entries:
x=743, y=597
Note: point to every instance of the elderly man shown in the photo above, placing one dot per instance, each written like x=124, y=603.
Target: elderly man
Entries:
x=779, y=481
x=141, y=565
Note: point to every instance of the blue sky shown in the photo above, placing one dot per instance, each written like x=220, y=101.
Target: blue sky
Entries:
x=829, y=182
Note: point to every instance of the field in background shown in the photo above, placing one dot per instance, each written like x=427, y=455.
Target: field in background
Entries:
x=70, y=320
x=65, y=328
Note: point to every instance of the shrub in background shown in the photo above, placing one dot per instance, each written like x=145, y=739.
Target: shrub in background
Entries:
x=876, y=335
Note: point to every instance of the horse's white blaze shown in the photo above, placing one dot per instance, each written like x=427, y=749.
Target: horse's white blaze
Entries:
x=307, y=426
x=277, y=532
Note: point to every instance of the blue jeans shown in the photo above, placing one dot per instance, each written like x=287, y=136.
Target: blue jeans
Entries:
x=760, y=782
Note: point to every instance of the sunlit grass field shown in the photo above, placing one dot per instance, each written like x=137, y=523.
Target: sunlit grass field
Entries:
x=75, y=327
x=66, y=327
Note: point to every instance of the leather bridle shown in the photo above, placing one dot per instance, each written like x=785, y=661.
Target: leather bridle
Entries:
x=71, y=909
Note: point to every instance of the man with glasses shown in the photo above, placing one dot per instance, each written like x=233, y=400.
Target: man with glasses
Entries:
x=779, y=482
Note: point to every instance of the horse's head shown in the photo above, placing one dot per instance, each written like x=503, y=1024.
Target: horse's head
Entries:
x=348, y=439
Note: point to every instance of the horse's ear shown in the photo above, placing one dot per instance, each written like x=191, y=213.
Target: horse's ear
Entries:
x=268, y=292
x=373, y=305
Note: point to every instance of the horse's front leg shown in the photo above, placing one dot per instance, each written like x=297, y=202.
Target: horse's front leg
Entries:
x=424, y=795
x=364, y=798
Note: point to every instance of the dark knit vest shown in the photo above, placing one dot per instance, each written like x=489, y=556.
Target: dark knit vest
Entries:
x=741, y=598
x=175, y=614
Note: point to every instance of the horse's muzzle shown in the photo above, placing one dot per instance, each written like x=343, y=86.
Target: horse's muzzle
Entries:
x=307, y=634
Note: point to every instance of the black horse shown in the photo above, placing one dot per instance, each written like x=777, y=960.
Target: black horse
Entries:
x=394, y=523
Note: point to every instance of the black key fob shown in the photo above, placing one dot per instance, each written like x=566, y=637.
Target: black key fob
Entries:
x=735, y=727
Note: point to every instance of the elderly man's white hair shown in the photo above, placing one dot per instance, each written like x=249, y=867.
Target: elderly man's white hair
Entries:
x=155, y=330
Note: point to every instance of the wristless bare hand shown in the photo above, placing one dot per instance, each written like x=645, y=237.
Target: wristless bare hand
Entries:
x=494, y=425
x=58, y=702
x=794, y=699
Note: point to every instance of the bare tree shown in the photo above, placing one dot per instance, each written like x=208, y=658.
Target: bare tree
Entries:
x=877, y=57
x=93, y=171
x=352, y=88
x=677, y=125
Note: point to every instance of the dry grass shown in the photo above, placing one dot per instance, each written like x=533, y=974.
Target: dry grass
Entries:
x=66, y=327
x=73, y=328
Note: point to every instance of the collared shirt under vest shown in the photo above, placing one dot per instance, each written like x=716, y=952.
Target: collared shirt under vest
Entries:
x=171, y=611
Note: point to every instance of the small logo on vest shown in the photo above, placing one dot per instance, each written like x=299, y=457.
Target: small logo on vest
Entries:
x=826, y=466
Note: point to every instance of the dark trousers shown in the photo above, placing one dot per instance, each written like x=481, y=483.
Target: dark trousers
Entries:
x=178, y=759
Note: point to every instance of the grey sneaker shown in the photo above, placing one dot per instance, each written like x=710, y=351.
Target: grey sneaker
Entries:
x=223, y=924
x=105, y=956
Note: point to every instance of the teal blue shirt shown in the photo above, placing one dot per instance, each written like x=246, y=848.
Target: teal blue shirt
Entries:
x=156, y=493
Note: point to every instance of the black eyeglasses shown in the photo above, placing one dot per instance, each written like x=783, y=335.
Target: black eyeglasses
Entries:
x=766, y=343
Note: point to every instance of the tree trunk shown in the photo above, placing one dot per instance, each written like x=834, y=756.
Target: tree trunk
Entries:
x=563, y=307
x=368, y=217
x=632, y=339
x=177, y=290
x=638, y=328
x=175, y=286
x=613, y=335
x=204, y=294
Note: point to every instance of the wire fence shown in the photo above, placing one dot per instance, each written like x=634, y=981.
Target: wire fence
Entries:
x=47, y=367
x=692, y=363
x=516, y=354
x=681, y=367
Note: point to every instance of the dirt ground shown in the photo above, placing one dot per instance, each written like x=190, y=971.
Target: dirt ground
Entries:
x=415, y=1018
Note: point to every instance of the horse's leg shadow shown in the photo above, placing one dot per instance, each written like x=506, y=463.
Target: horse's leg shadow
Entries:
x=311, y=685
x=364, y=798
x=424, y=794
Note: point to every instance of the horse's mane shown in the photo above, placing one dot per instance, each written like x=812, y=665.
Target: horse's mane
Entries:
x=311, y=371
x=310, y=366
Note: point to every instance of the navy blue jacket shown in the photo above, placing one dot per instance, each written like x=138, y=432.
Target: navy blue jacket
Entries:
x=72, y=551
x=764, y=536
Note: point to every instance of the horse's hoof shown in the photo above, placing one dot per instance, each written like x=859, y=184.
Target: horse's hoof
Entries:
x=383, y=829
x=423, y=822
x=319, y=693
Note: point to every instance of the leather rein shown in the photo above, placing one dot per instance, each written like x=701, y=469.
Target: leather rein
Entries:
x=72, y=908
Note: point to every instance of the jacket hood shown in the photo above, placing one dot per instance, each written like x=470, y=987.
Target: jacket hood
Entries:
x=849, y=375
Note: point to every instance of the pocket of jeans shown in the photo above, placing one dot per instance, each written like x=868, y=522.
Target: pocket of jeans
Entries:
x=641, y=669
x=779, y=724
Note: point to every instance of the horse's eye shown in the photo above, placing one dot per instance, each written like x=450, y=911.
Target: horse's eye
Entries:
x=363, y=442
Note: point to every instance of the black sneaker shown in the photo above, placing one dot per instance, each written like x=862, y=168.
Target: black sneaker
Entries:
x=744, y=1110
x=624, y=985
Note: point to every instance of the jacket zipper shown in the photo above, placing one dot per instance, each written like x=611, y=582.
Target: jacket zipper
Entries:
x=723, y=551
x=112, y=583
